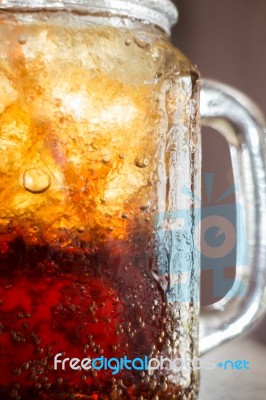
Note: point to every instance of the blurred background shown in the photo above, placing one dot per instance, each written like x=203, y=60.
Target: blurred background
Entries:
x=227, y=41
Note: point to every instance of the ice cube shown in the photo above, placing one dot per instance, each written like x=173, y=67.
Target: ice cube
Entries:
x=14, y=136
x=8, y=93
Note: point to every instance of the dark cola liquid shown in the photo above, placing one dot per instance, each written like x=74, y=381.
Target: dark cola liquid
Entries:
x=82, y=302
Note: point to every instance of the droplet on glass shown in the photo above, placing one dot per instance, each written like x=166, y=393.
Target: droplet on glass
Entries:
x=141, y=162
x=106, y=159
x=122, y=156
x=36, y=181
x=159, y=75
x=22, y=39
x=140, y=42
x=128, y=42
x=144, y=207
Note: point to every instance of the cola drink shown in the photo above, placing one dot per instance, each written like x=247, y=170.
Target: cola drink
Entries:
x=84, y=132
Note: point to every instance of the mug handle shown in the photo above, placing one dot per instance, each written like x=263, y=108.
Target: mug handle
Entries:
x=243, y=126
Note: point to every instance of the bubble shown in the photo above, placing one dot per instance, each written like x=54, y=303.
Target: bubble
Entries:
x=22, y=39
x=36, y=180
x=106, y=158
x=153, y=385
x=38, y=385
x=147, y=379
x=17, y=371
x=144, y=207
x=14, y=394
x=141, y=162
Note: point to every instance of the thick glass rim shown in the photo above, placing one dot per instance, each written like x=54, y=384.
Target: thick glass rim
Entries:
x=162, y=13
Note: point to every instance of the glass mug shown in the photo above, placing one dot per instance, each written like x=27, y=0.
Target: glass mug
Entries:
x=99, y=241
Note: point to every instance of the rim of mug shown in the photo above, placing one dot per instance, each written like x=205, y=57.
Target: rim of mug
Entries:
x=162, y=13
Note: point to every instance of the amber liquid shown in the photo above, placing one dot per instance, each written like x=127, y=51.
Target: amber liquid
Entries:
x=86, y=165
